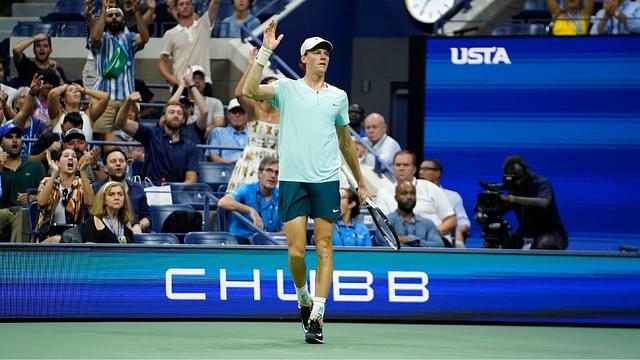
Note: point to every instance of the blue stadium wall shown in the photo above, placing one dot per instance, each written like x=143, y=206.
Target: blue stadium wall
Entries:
x=570, y=106
x=63, y=282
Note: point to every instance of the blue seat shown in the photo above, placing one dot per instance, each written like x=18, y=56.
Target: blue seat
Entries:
x=214, y=174
x=30, y=28
x=160, y=212
x=275, y=239
x=211, y=238
x=70, y=6
x=193, y=194
x=73, y=29
x=155, y=238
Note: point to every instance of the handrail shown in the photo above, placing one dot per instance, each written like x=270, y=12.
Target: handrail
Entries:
x=250, y=225
x=380, y=166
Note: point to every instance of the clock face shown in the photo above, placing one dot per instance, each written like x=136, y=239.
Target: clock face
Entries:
x=428, y=11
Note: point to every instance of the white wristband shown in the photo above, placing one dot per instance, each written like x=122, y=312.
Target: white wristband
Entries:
x=263, y=56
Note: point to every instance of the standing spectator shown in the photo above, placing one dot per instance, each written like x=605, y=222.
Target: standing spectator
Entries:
x=356, y=114
x=111, y=216
x=348, y=231
x=188, y=43
x=383, y=145
x=617, y=17
x=114, y=51
x=115, y=164
x=49, y=80
x=432, y=203
x=25, y=106
x=234, y=135
x=431, y=170
x=168, y=156
x=571, y=17
x=232, y=26
x=18, y=176
x=412, y=229
x=67, y=98
x=63, y=197
x=257, y=201
x=42, y=50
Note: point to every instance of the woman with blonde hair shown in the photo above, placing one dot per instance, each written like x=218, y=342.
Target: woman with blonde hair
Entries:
x=112, y=215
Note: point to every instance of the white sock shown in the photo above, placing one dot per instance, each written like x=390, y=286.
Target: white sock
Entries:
x=304, y=299
x=317, y=313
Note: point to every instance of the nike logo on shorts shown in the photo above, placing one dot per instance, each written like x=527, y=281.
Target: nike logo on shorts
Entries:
x=335, y=210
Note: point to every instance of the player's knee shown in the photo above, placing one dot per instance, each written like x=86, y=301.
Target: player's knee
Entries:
x=296, y=253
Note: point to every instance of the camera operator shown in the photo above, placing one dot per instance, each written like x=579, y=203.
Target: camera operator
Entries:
x=532, y=199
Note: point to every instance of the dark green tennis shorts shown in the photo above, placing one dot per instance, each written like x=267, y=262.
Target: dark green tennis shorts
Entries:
x=316, y=200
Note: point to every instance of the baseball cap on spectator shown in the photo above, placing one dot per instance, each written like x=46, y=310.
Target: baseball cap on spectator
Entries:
x=313, y=42
x=10, y=127
x=74, y=133
x=233, y=104
x=197, y=68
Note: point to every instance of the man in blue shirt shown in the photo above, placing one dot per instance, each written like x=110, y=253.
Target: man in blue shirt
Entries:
x=115, y=164
x=233, y=136
x=168, y=157
x=257, y=201
x=412, y=229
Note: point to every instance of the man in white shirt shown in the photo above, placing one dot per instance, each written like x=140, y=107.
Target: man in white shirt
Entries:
x=382, y=144
x=431, y=170
x=431, y=201
x=188, y=42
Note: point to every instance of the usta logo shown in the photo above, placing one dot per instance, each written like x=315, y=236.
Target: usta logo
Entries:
x=479, y=56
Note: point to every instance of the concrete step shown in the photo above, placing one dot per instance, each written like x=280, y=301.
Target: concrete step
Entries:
x=32, y=9
x=7, y=23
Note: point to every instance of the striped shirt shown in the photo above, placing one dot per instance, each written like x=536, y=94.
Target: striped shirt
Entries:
x=118, y=88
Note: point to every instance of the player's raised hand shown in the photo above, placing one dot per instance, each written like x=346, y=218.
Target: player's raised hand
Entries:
x=270, y=41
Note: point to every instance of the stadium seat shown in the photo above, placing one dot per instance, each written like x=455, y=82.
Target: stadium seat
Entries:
x=73, y=29
x=155, y=238
x=70, y=6
x=211, y=238
x=30, y=28
x=214, y=174
x=160, y=212
x=275, y=239
x=193, y=194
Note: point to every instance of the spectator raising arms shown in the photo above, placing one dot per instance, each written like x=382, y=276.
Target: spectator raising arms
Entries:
x=42, y=50
x=66, y=98
x=571, y=17
x=617, y=17
x=63, y=197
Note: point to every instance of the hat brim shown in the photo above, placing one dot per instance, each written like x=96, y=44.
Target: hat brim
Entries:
x=321, y=45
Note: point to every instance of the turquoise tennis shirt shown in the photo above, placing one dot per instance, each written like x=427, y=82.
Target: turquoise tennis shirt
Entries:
x=308, y=142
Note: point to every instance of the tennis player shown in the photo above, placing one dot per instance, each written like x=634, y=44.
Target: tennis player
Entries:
x=314, y=130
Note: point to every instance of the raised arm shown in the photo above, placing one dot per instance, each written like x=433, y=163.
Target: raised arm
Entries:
x=252, y=87
x=201, y=122
x=44, y=190
x=249, y=105
x=348, y=149
x=554, y=8
x=150, y=14
x=122, y=122
x=54, y=107
x=214, y=5
x=28, y=107
x=18, y=50
x=98, y=107
x=87, y=189
x=142, y=37
x=98, y=27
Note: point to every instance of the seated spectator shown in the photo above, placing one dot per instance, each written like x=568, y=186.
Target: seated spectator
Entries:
x=168, y=156
x=111, y=216
x=232, y=26
x=49, y=81
x=235, y=135
x=51, y=141
x=257, y=201
x=74, y=139
x=432, y=203
x=347, y=231
x=115, y=164
x=25, y=106
x=214, y=105
x=42, y=49
x=63, y=197
x=132, y=152
x=364, y=157
x=195, y=131
x=66, y=98
x=431, y=170
x=7, y=93
x=18, y=176
x=356, y=114
x=617, y=17
x=412, y=229
x=383, y=145
x=571, y=17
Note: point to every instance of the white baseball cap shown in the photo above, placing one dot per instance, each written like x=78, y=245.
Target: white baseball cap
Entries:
x=233, y=103
x=312, y=42
x=197, y=68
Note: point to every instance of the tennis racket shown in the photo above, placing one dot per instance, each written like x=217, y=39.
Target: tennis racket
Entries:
x=381, y=221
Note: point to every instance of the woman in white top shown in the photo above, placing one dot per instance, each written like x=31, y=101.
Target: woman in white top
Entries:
x=66, y=98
